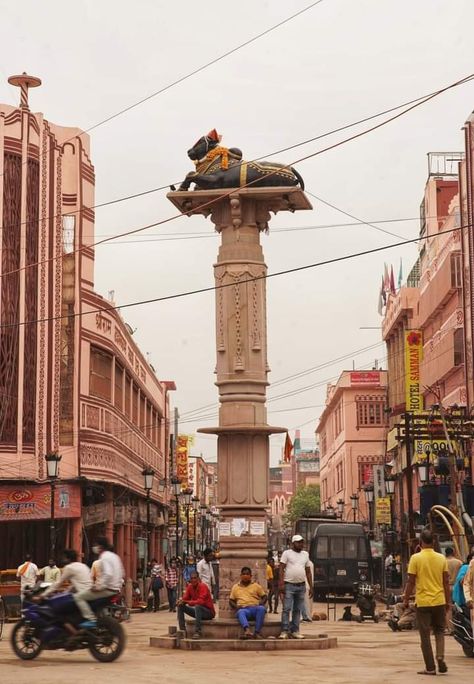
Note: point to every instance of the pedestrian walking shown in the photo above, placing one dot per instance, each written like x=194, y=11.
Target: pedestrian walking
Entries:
x=156, y=584
x=294, y=572
x=428, y=576
x=171, y=582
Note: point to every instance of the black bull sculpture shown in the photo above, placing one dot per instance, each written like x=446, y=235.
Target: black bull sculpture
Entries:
x=221, y=167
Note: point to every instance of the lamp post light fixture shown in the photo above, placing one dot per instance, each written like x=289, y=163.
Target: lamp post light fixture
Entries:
x=423, y=468
x=148, y=475
x=187, y=496
x=52, y=470
x=176, y=488
x=369, y=497
x=354, y=504
x=340, y=508
x=195, y=504
x=390, y=484
x=330, y=509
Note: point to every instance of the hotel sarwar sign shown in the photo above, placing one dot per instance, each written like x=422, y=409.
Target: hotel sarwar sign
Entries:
x=413, y=357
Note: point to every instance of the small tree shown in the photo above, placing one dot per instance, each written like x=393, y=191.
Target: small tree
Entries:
x=305, y=503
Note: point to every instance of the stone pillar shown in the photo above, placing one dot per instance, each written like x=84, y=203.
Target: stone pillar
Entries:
x=76, y=535
x=242, y=368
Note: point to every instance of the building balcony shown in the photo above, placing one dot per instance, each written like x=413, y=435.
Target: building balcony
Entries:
x=444, y=283
x=443, y=359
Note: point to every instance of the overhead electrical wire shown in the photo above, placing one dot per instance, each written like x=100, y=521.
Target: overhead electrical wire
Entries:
x=233, y=190
x=212, y=288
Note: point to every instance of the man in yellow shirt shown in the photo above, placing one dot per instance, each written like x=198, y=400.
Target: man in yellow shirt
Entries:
x=248, y=599
x=428, y=572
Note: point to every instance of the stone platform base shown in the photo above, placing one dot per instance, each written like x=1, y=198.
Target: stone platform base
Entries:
x=321, y=642
x=224, y=635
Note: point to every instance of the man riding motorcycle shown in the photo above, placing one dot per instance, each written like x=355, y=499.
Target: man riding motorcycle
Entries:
x=75, y=573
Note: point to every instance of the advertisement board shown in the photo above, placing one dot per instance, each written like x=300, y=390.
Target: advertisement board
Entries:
x=365, y=378
x=182, y=460
x=33, y=502
x=413, y=357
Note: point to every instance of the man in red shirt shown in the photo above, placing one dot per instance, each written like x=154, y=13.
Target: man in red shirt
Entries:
x=196, y=602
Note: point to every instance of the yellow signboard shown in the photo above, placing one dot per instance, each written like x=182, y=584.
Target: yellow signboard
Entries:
x=413, y=356
x=382, y=511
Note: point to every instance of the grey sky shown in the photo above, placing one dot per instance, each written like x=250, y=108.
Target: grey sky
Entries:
x=343, y=60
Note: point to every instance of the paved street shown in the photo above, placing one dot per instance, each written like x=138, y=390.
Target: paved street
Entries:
x=366, y=653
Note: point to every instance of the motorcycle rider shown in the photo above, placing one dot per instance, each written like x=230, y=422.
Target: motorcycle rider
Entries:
x=108, y=583
x=75, y=573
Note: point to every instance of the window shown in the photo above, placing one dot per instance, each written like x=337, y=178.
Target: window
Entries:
x=118, y=399
x=322, y=550
x=338, y=419
x=323, y=443
x=366, y=474
x=458, y=346
x=69, y=223
x=337, y=547
x=350, y=547
x=339, y=477
x=101, y=374
x=370, y=411
x=128, y=394
x=135, y=404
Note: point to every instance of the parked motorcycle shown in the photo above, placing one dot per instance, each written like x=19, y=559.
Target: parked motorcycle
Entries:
x=54, y=624
x=365, y=601
x=462, y=629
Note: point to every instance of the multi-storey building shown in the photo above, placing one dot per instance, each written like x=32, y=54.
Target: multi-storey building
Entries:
x=351, y=432
x=72, y=379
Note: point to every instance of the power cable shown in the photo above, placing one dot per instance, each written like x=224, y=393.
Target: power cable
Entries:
x=180, y=295
x=250, y=183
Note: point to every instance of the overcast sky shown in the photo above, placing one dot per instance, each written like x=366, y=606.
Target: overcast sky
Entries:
x=339, y=62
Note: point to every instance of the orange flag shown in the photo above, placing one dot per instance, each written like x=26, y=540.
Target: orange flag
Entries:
x=288, y=449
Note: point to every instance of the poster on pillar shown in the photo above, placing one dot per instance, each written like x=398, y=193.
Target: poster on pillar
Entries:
x=182, y=460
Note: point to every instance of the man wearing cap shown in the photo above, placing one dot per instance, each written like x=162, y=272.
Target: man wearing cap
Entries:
x=294, y=572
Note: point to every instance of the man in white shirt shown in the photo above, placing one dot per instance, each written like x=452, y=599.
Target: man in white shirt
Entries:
x=27, y=572
x=75, y=573
x=108, y=583
x=205, y=569
x=294, y=573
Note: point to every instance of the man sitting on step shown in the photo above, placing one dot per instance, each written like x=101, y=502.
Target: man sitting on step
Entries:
x=196, y=602
x=248, y=599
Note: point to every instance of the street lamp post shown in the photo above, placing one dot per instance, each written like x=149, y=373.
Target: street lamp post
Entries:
x=187, y=495
x=340, y=508
x=52, y=468
x=148, y=475
x=209, y=527
x=176, y=487
x=369, y=497
x=195, y=503
x=354, y=504
x=203, y=509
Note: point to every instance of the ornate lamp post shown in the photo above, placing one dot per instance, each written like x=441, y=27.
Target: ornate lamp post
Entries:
x=203, y=509
x=52, y=469
x=148, y=475
x=354, y=504
x=330, y=509
x=369, y=497
x=340, y=508
x=176, y=488
x=187, y=495
x=195, y=504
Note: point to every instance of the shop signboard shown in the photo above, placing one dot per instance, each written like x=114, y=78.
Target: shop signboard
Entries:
x=33, y=502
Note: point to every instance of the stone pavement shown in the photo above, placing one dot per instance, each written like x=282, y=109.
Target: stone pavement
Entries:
x=366, y=653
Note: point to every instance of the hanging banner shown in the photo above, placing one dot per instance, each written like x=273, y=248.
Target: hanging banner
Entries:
x=413, y=356
x=182, y=460
x=382, y=511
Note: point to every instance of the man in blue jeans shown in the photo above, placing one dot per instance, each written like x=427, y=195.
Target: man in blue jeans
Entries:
x=295, y=570
x=248, y=599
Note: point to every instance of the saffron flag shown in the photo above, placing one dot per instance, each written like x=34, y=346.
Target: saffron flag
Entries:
x=386, y=279
x=400, y=274
x=381, y=299
x=392, y=281
x=288, y=449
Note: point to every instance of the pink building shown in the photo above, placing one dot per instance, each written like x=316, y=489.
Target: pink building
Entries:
x=351, y=434
x=72, y=379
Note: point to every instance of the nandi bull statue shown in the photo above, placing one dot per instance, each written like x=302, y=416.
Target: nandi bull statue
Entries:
x=222, y=167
